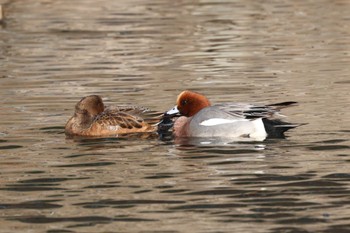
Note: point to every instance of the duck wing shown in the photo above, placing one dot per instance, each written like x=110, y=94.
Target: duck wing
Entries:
x=133, y=115
x=252, y=111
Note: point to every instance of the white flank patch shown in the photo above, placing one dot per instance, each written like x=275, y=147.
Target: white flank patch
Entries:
x=205, y=143
x=260, y=132
x=216, y=121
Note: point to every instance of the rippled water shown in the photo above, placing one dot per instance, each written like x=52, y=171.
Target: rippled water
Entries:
x=145, y=52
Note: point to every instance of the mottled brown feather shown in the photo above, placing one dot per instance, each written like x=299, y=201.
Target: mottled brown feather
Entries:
x=88, y=120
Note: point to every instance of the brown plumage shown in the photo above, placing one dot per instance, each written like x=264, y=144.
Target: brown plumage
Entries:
x=91, y=118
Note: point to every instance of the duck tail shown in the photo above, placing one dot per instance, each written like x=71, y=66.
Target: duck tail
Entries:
x=275, y=128
x=282, y=105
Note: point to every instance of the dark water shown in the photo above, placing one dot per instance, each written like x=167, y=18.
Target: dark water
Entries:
x=145, y=52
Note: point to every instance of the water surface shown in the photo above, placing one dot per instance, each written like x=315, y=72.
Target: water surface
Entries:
x=145, y=53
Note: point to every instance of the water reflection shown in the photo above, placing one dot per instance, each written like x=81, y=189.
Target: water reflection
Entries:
x=55, y=52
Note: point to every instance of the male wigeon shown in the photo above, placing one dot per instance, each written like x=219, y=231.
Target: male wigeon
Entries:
x=91, y=118
x=241, y=122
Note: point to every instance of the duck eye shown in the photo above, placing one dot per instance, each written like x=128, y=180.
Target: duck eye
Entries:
x=184, y=102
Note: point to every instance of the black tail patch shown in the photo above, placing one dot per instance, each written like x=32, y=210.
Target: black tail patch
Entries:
x=275, y=128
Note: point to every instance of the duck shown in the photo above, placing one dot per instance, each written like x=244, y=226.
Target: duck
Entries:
x=197, y=117
x=92, y=118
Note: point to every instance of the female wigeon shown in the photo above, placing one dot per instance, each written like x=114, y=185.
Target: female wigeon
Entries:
x=91, y=118
x=247, y=122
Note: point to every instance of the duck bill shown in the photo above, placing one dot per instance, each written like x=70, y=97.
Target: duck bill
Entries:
x=172, y=112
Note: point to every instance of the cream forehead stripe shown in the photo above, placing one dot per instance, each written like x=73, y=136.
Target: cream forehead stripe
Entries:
x=179, y=97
